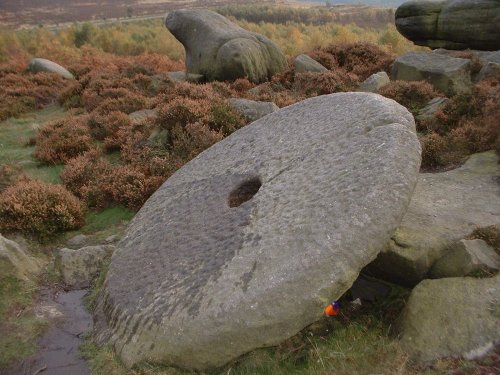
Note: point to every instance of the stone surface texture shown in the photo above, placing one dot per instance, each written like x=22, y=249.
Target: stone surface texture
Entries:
x=451, y=24
x=304, y=63
x=445, y=208
x=451, y=317
x=42, y=65
x=78, y=241
x=16, y=261
x=464, y=258
x=252, y=110
x=142, y=114
x=374, y=82
x=183, y=76
x=221, y=50
x=80, y=267
x=447, y=74
x=213, y=266
x=431, y=108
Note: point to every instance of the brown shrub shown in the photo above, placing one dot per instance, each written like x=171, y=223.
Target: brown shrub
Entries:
x=59, y=141
x=312, y=84
x=182, y=111
x=9, y=175
x=188, y=141
x=362, y=59
x=34, y=207
x=413, y=95
x=105, y=127
x=242, y=85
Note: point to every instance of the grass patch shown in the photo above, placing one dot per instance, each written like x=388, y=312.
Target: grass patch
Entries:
x=107, y=219
x=18, y=326
x=15, y=147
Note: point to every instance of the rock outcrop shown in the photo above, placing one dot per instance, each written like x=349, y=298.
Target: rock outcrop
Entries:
x=431, y=108
x=252, y=110
x=79, y=267
x=42, y=65
x=16, y=261
x=304, y=63
x=451, y=24
x=374, y=82
x=447, y=74
x=445, y=208
x=221, y=50
x=451, y=317
x=245, y=245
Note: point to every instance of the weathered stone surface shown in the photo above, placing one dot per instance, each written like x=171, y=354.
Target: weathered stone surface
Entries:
x=278, y=219
x=445, y=208
x=489, y=70
x=80, y=267
x=17, y=261
x=143, y=114
x=451, y=24
x=78, y=241
x=451, y=317
x=221, y=50
x=183, y=76
x=431, y=108
x=464, y=258
x=252, y=110
x=304, y=63
x=449, y=75
x=43, y=65
x=374, y=82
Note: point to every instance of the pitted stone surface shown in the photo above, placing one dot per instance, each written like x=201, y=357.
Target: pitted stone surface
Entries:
x=245, y=245
x=219, y=49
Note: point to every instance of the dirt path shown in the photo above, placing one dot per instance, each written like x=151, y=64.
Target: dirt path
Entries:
x=58, y=352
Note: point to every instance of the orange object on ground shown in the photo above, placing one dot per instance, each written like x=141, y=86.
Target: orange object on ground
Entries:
x=332, y=309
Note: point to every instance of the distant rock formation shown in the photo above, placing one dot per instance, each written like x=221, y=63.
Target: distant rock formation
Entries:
x=246, y=244
x=43, y=65
x=221, y=50
x=451, y=24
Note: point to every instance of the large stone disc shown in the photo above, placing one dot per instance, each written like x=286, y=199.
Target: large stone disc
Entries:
x=246, y=244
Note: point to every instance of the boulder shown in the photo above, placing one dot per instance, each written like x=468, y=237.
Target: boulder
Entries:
x=79, y=267
x=464, y=258
x=447, y=74
x=246, y=244
x=451, y=317
x=42, y=65
x=304, y=63
x=183, y=76
x=221, y=50
x=78, y=241
x=374, y=82
x=16, y=261
x=451, y=24
x=489, y=70
x=431, y=108
x=252, y=110
x=445, y=208
x=142, y=114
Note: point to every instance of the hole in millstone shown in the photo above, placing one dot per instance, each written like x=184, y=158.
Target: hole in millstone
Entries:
x=244, y=192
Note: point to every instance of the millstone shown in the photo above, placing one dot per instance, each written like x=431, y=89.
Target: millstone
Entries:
x=246, y=244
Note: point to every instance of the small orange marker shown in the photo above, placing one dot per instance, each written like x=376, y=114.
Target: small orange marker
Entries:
x=332, y=309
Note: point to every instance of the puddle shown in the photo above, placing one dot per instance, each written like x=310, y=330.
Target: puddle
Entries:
x=58, y=352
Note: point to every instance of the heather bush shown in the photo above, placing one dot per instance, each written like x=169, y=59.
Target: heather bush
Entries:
x=188, y=141
x=41, y=209
x=361, y=59
x=313, y=84
x=413, y=95
x=182, y=111
x=59, y=141
x=105, y=127
x=9, y=175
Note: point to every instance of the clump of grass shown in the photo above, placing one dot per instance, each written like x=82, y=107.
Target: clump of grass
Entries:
x=489, y=234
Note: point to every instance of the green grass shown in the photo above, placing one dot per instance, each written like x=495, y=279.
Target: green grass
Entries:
x=107, y=219
x=15, y=134
x=19, y=327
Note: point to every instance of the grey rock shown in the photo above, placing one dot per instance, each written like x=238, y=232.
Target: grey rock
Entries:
x=142, y=114
x=451, y=24
x=489, y=70
x=449, y=75
x=78, y=241
x=294, y=204
x=431, y=108
x=304, y=63
x=368, y=289
x=79, y=267
x=112, y=238
x=465, y=258
x=221, y=50
x=182, y=76
x=374, y=82
x=252, y=110
x=42, y=65
x=445, y=208
x=451, y=317
x=17, y=261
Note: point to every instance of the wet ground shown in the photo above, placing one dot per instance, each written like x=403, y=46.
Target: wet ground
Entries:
x=58, y=352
